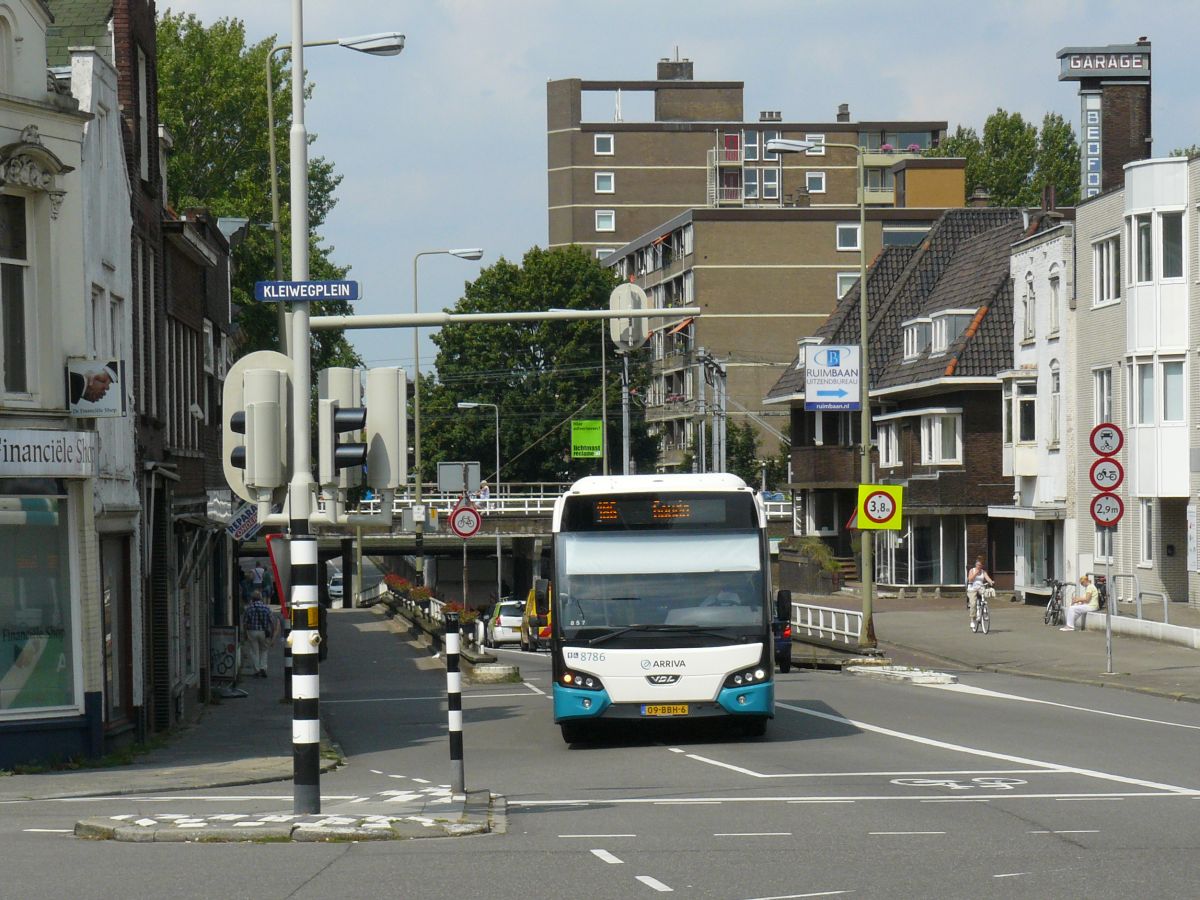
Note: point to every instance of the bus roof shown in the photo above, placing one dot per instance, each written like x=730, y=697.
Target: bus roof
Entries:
x=608, y=484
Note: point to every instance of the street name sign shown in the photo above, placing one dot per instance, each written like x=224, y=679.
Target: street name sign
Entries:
x=831, y=377
x=274, y=291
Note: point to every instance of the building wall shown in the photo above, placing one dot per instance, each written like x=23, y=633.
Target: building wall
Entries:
x=935, y=187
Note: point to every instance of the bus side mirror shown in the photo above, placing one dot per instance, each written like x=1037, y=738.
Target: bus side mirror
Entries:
x=783, y=605
x=541, y=597
x=543, y=621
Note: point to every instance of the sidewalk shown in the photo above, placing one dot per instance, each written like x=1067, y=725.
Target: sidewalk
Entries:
x=934, y=630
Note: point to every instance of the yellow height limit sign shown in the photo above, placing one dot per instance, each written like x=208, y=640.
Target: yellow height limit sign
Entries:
x=879, y=506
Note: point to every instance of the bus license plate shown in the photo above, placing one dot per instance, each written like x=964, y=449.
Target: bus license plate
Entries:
x=665, y=709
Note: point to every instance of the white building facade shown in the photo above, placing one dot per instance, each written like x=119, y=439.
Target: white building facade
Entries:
x=1038, y=415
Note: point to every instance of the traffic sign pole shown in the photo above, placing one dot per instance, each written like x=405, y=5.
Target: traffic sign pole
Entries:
x=1107, y=507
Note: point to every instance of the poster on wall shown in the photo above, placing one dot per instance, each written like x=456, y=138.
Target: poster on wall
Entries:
x=96, y=388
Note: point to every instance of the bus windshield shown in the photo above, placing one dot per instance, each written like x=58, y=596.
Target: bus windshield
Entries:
x=679, y=580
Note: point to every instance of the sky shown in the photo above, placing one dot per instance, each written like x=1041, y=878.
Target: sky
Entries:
x=445, y=145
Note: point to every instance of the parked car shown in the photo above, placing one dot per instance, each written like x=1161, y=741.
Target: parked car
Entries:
x=335, y=586
x=535, y=620
x=503, y=625
x=781, y=627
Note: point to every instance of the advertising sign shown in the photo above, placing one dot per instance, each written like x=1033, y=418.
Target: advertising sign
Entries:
x=96, y=388
x=244, y=524
x=831, y=378
x=47, y=454
x=587, y=439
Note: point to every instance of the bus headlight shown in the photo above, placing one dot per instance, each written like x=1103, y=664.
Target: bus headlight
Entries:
x=580, y=680
x=747, y=677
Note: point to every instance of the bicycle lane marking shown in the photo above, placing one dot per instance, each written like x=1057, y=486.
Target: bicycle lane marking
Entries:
x=991, y=754
x=984, y=692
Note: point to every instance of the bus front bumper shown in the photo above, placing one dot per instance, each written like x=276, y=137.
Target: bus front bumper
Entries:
x=575, y=704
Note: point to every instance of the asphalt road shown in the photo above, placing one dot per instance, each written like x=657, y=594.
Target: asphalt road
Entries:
x=996, y=787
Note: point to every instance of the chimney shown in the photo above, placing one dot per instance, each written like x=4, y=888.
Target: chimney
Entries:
x=980, y=199
x=674, y=69
x=843, y=114
x=770, y=115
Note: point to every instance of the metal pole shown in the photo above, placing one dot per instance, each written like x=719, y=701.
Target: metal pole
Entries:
x=306, y=725
x=1109, y=605
x=496, y=523
x=284, y=315
x=454, y=699
x=702, y=437
x=418, y=509
x=358, y=579
x=603, y=399
x=625, y=415
x=866, y=637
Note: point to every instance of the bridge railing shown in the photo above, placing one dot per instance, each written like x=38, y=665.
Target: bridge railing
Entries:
x=826, y=625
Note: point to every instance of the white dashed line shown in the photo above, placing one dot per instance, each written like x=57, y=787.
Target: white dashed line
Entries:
x=596, y=835
x=1011, y=875
x=799, y=896
x=607, y=857
x=655, y=883
x=534, y=688
x=753, y=834
x=956, y=800
x=822, y=801
x=905, y=832
x=49, y=830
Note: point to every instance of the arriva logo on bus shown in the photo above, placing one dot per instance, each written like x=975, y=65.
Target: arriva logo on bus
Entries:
x=664, y=664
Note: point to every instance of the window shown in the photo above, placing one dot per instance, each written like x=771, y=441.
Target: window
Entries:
x=767, y=155
x=602, y=252
x=1026, y=413
x=845, y=281
x=143, y=117
x=1055, y=403
x=750, y=184
x=1104, y=544
x=750, y=145
x=824, y=512
x=815, y=182
x=1106, y=271
x=887, y=436
x=847, y=236
x=770, y=184
x=940, y=440
x=1007, y=426
x=1172, y=244
x=1055, y=299
x=1029, y=307
x=916, y=338
x=1172, y=375
x=815, y=139
x=606, y=220
x=602, y=144
x=15, y=309
x=1146, y=532
x=1145, y=387
x=605, y=182
x=948, y=327
x=1102, y=394
x=1145, y=248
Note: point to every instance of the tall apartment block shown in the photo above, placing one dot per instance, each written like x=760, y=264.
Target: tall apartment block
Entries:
x=611, y=182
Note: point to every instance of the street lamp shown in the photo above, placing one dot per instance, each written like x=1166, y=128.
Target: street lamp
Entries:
x=866, y=636
x=467, y=404
x=419, y=523
x=388, y=43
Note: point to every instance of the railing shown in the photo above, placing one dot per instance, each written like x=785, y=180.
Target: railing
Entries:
x=1159, y=594
x=370, y=595
x=826, y=625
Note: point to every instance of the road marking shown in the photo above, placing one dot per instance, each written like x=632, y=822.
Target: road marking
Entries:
x=990, y=754
x=698, y=801
x=534, y=688
x=1010, y=874
x=955, y=800
x=677, y=750
x=596, y=835
x=821, y=801
x=50, y=830
x=1099, y=797
x=800, y=896
x=685, y=802
x=904, y=832
x=422, y=780
x=467, y=695
x=655, y=883
x=984, y=692
x=607, y=857
x=753, y=834
x=744, y=771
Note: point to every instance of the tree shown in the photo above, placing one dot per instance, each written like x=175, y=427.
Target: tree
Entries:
x=1014, y=161
x=212, y=99
x=541, y=374
x=1189, y=151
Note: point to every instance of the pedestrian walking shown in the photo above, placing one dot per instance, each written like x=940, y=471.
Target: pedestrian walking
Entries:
x=260, y=630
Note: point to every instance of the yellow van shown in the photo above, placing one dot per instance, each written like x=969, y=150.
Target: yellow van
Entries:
x=535, y=621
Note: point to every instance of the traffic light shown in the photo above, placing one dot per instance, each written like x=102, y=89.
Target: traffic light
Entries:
x=387, y=429
x=256, y=403
x=338, y=412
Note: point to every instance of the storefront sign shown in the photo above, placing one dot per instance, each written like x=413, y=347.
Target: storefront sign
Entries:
x=96, y=388
x=56, y=454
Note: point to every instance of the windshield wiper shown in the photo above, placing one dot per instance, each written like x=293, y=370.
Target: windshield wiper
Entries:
x=669, y=629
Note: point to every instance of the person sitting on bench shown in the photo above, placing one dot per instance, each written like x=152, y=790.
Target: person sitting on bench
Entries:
x=1089, y=602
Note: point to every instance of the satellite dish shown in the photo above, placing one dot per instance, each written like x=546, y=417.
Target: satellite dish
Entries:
x=628, y=334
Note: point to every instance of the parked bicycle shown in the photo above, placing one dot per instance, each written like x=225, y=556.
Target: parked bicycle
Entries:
x=982, y=620
x=1054, y=607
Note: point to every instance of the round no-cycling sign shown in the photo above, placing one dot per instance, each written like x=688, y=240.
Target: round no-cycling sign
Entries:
x=1107, y=509
x=879, y=506
x=465, y=521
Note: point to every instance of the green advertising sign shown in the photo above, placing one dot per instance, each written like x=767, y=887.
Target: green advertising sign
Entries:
x=587, y=439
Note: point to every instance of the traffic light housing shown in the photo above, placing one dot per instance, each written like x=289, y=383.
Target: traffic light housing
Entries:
x=256, y=444
x=338, y=413
x=387, y=429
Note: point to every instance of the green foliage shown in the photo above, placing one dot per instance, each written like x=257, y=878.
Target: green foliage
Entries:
x=741, y=452
x=1014, y=161
x=540, y=374
x=212, y=98
x=777, y=468
x=814, y=549
x=1189, y=151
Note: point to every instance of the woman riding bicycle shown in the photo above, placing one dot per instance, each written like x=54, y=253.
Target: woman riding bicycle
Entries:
x=977, y=580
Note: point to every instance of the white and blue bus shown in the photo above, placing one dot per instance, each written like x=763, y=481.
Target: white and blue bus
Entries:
x=660, y=603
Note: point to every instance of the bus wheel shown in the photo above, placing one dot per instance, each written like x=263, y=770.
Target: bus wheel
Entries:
x=573, y=732
x=754, y=727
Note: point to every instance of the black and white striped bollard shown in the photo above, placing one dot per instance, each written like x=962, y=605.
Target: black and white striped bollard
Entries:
x=454, y=704
x=306, y=682
x=287, y=657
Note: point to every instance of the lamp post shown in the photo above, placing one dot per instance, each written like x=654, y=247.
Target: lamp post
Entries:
x=465, y=404
x=388, y=43
x=418, y=513
x=866, y=635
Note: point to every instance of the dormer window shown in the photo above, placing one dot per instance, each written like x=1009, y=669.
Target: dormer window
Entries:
x=916, y=338
x=948, y=326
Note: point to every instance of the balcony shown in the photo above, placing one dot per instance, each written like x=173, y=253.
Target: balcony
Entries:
x=885, y=159
x=725, y=156
x=879, y=196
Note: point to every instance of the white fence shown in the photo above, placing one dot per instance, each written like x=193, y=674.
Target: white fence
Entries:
x=826, y=625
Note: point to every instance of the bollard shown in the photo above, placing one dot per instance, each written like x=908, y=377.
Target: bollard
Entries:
x=287, y=657
x=454, y=704
x=306, y=680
